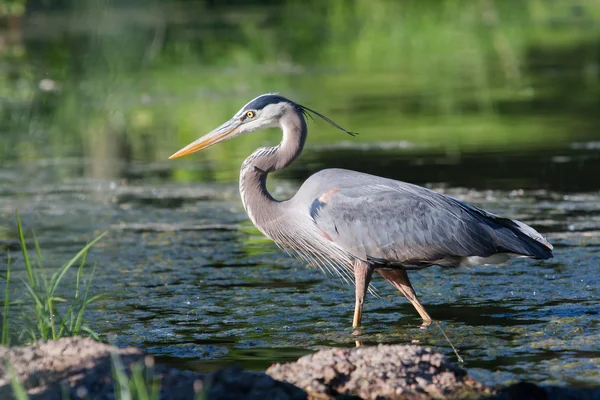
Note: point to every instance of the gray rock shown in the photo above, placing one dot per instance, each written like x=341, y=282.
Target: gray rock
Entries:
x=381, y=372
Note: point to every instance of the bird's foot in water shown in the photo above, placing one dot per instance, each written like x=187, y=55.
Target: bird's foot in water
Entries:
x=425, y=324
x=358, y=332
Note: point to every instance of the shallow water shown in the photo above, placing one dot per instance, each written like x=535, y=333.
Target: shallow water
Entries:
x=93, y=99
x=190, y=280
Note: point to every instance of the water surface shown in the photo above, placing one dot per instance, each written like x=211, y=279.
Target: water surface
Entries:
x=190, y=280
x=485, y=111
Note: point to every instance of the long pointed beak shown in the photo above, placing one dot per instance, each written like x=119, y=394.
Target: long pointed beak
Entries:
x=223, y=132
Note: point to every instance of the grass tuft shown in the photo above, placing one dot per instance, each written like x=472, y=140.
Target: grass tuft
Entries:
x=53, y=316
x=141, y=384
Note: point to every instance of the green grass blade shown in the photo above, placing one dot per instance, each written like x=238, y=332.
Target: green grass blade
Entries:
x=42, y=272
x=28, y=331
x=38, y=252
x=5, y=333
x=28, y=267
x=155, y=394
x=79, y=273
x=85, y=301
x=56, y=278
x=74, y=259
x=17, y=386
x=139, y=384
x=120, y=380
x=43, y=324
x=33, y=294
x=70, y=316
x=72, y=320
x=94, y=298
x=93, y=334
x=62, y=327
x=52, y=316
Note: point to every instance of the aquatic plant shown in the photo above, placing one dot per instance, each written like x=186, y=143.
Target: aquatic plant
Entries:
x=41, y=311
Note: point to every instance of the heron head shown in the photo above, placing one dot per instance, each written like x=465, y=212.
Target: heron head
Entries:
x=265, y=111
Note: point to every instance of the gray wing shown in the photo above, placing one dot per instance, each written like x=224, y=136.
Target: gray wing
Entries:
x=391, y=222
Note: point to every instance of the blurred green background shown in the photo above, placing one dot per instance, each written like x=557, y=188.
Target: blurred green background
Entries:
x=481, y=98
x=135, y=80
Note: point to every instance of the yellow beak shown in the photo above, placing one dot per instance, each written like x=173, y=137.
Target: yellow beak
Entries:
x=226, y=131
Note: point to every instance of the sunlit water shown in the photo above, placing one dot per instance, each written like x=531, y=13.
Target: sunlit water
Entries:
x=188, y=279
x=464, y=99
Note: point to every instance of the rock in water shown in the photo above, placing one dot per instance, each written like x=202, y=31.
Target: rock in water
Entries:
x=81, y=368
x=381, y=372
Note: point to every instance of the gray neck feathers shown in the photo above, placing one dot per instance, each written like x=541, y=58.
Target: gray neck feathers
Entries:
x=258, y=202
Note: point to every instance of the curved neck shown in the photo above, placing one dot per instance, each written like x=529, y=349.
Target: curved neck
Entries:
x=258, y=202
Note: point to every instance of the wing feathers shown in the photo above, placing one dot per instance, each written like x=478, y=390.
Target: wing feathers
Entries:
x=404, y=223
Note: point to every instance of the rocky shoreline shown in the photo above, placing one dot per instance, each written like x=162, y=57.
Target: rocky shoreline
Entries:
x=81, y=368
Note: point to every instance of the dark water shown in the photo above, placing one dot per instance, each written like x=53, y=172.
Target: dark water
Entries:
x=190, y=280
x=94, y=99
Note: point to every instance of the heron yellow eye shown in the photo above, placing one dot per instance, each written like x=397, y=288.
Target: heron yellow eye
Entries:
x=250, y=114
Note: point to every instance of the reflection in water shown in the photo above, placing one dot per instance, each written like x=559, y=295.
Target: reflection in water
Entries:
x=142, y=82
x=562, y=169
x=108, y=150
x=92, y=104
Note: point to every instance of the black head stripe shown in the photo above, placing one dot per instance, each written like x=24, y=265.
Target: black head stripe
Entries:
x=262, y=101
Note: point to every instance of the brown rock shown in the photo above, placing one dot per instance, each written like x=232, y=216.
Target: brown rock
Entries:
x=79, y=368
x=44, y=367
x=82, y=368
x=382, y=372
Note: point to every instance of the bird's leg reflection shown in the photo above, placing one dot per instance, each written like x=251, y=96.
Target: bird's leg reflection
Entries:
x=358, y=332
x=362, y=277
x=399, y=278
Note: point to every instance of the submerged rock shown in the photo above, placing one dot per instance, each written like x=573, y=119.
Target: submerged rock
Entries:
x=381, y=372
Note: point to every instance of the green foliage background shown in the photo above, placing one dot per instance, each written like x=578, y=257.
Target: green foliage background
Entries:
x=137, y=80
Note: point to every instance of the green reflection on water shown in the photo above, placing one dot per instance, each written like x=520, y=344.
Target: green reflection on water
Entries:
x=125, y=81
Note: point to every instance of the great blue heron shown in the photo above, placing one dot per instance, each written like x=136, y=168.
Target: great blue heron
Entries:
x=356, y=224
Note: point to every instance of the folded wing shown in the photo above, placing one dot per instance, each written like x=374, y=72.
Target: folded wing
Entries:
x=400, y=223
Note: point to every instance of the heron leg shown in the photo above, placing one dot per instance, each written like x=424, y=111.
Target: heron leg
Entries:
x=399, y=278
x=362, y=277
